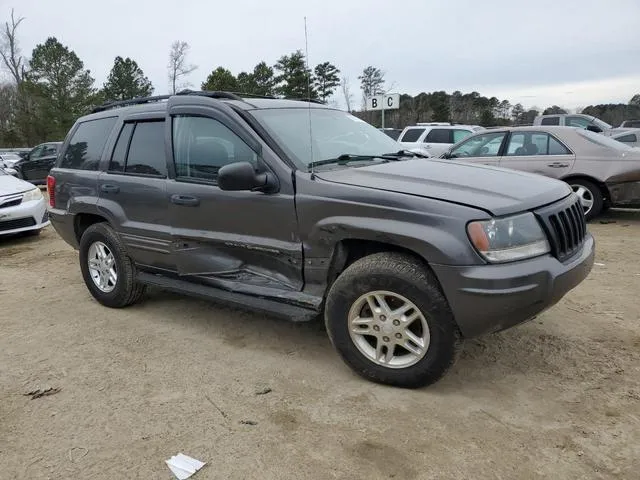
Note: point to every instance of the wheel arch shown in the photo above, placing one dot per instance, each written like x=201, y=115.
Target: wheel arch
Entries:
x=604, y=190
x=82, y=221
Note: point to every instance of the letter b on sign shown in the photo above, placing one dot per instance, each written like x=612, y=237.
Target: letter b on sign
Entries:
x=374, y=103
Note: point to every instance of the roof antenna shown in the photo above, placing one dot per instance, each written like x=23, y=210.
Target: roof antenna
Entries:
x=306, y=47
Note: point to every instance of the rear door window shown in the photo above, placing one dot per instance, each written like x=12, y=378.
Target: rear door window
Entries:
x=438, y=135
x=631, y=138
x=87, y=144
x=146, y=151
x=550, y=121
x=412, y=135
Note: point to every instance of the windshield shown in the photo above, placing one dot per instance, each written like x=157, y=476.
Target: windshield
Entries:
x=331, y=133
x=603, y=141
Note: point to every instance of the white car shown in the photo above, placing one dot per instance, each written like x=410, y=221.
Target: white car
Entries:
x=630, y=137
x=9, y=159
x=435, y=138
x=23, y=208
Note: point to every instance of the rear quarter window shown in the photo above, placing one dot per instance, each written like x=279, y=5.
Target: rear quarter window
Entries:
x=87, y=144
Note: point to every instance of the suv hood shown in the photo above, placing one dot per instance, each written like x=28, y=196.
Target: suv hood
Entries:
x=496, y=190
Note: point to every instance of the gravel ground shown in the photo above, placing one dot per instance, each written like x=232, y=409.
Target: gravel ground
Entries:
x=557, y=398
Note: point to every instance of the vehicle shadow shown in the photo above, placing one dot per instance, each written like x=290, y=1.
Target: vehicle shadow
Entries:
x=521, y=351
x=17, y=240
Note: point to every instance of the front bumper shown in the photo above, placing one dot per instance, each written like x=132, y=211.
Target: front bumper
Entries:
x=26, y=216
x=625, y=194
x=490, y=298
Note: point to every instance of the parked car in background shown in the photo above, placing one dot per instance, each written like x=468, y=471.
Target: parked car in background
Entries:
x=629, y=137
x=602, y=171
x=10, y=159
x=237, y=199
x=23, y=208
x=578, y=120
x=630, y=124
x=38, y=162
x=8, y=170
x=435, y=138
x=392, y=132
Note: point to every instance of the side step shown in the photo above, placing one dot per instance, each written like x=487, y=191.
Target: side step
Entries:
x=240, y=300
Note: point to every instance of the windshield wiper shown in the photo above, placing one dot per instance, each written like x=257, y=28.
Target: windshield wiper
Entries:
x=347, y=158
x=404, y=153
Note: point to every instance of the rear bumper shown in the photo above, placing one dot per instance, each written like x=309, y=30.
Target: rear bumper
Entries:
x=63, y=223
x=624, y=194
x=490, y=298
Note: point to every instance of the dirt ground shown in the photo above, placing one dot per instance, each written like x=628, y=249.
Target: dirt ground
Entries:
x=557, y=398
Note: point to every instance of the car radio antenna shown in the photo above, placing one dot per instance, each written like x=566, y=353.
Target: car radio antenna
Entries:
x=306, y=48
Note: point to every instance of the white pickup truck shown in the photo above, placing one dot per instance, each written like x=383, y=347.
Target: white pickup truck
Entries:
x=576, y=120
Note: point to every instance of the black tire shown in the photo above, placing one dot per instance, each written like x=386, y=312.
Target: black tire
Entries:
x=594, y=192
x=407, y=276
x=127, y=290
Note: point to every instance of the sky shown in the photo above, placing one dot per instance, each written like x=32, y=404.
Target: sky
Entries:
x=538, y=53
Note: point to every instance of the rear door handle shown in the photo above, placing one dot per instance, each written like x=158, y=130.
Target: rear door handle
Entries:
x=185, y=200
x=108, y=188
x=557, y=165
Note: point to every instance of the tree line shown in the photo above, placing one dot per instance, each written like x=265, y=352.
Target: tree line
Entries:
x=46, y=92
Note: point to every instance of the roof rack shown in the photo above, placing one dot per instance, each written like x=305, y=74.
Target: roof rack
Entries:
x=159, y=98
x=201, y=93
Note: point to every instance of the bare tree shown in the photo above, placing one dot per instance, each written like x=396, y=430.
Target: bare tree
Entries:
x=10, y=50
x=178, y=66
x=346, y=92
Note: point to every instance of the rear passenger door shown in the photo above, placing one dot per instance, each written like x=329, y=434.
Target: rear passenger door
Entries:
x=134, y=191
x=537, y=152
x=236, y=240
x=438, y=141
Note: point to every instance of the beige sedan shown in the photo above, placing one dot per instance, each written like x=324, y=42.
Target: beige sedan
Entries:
x=603, y=172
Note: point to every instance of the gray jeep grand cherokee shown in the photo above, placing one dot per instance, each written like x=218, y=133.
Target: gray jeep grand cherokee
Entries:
x=298, y=209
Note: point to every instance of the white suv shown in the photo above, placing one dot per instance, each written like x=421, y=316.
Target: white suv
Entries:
x=435, y=139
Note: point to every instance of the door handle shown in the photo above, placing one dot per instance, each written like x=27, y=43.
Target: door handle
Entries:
x=108, y=188
x=557, y=165
x=185, y=200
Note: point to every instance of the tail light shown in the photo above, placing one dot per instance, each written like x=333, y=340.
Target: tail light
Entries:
x=51, y=190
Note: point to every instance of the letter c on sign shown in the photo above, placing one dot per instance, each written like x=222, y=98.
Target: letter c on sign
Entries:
x=374, y=103
x=389, y=101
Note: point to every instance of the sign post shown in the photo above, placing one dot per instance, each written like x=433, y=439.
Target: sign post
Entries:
x=388, y=101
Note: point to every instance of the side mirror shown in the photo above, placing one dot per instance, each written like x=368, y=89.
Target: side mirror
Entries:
x=241, y=176
x=593, y=128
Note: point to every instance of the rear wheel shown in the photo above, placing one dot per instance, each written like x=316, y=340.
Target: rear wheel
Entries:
x=590, y=197
x=388, y=319
x=107, y=270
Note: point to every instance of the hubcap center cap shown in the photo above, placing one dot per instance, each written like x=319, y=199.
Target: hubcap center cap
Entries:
x=386, y=328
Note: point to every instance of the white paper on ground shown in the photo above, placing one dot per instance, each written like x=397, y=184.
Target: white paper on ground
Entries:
x=183, y=466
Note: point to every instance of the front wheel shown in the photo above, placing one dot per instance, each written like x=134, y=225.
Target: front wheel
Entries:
x=590, y=197
x=389, y=321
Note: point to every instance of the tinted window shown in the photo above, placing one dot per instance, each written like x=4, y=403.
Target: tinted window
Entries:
x=146, y=151
x=631, y=138
x=632, y=123
x=37, y=152
x=438, y=135
x=412, y=135
x=460, y=135
x=119, y=155
x=201, y=146
x=482, y=145
x=550, y=121
x=87, y=143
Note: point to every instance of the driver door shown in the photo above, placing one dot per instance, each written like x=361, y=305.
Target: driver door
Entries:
x=483, y=148
x=244, y=241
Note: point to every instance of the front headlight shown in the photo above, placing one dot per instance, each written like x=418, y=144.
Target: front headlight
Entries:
x=34, y=194
x=508, y=239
